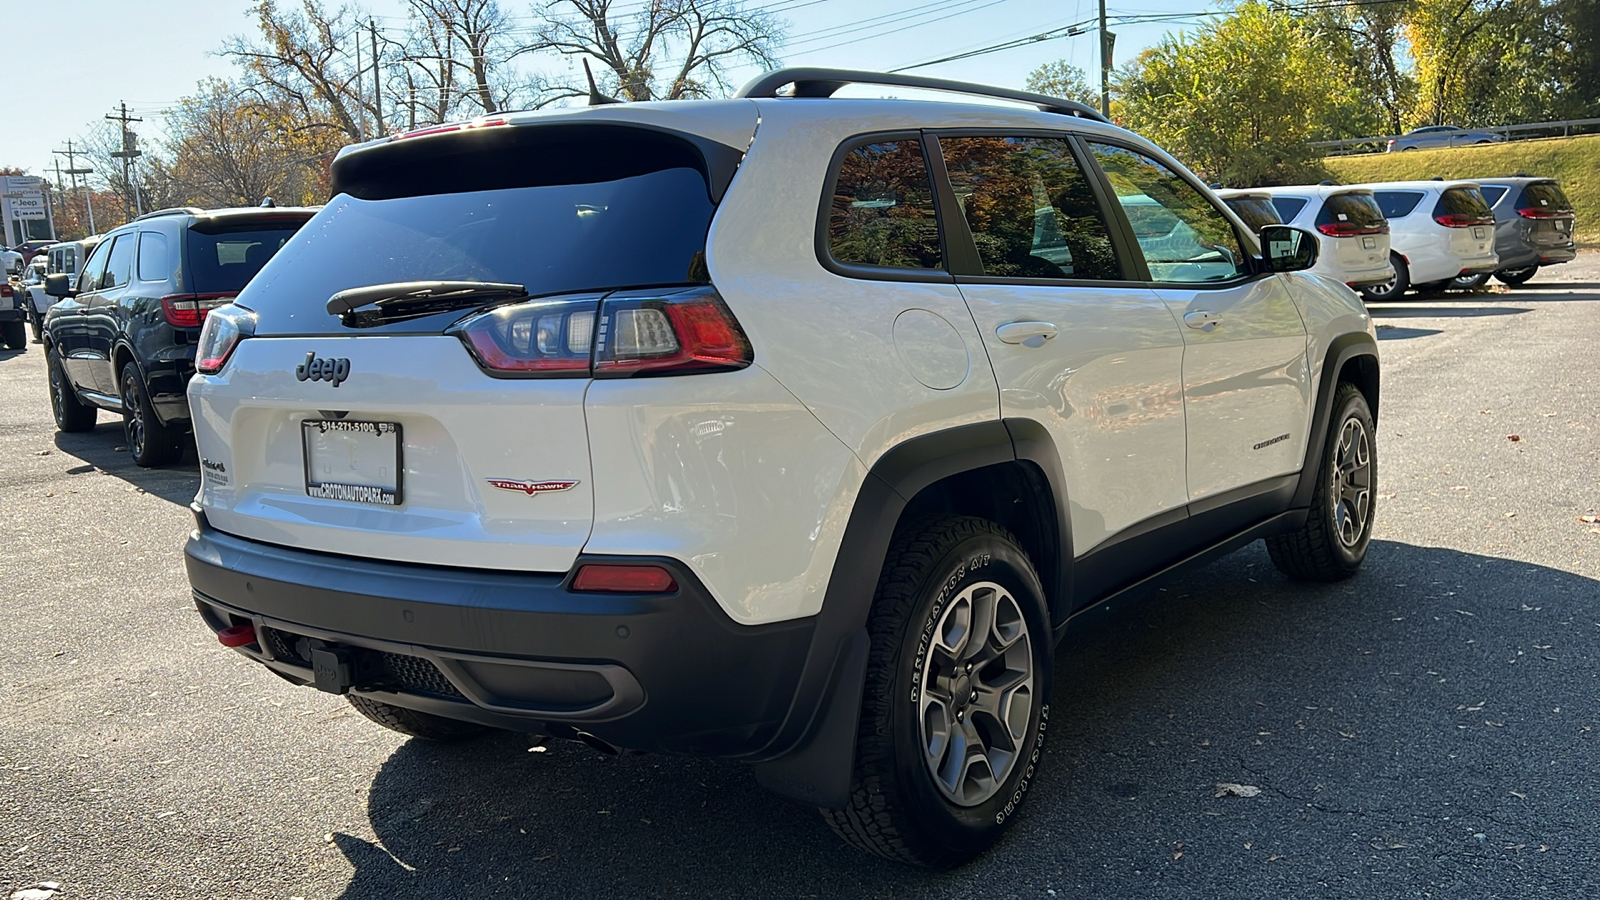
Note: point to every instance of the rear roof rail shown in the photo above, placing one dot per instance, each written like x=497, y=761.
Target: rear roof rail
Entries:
x=819, y=82
x=173, y=211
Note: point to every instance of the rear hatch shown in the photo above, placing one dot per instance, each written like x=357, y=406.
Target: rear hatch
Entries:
x=1355, y=235
x=387, y=433
x=1546, y=215
x=1469, y=224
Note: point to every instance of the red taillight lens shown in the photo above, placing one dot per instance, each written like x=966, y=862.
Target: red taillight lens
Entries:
x=1459, y=220
x=624, y=579
x=1350, y=229
x=224, y=328
x=5, y=289
x=1540, y=213
x=189, y=310
x=683, y=332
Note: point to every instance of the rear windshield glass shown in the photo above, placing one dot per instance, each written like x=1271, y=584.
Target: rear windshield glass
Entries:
x=639, y=231
x=1359, y=209
x=1256, y=212
x=1288, y=207
x=1397, y=204
x=1544, y=195
x=223, y=262
x=1467, y=202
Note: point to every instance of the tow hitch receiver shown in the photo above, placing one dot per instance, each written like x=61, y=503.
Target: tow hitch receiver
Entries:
x=330, y=670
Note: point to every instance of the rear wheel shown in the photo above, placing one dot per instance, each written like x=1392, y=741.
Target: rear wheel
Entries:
x=71, y=414
x=1333, y=542
x=958, y=683
x=1470, y=282
x=1394, y=288
x=416, y=724
x=1514, y=277
x=15, y=334
x=151, y=443
x=36, y=320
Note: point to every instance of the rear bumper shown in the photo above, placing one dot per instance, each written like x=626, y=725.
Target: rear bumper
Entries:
x=16, y=314
x=667, y=672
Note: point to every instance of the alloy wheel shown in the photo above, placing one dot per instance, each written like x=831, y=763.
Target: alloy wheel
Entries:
x=1352, y=482
x=58, y=397
x=977, y=694
x=133, y=424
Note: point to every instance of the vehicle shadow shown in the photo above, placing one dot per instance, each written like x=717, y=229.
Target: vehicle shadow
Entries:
x=1407, y=311
x=104, y=448
x=1396, y=333
x=1346, y=698
x=6, y=354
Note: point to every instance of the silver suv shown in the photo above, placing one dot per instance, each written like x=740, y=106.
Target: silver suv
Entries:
x=788, y=429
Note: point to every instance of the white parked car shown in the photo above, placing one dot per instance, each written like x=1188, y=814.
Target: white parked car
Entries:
x=557, y=425
x=1438, y=231
x=1351, y=230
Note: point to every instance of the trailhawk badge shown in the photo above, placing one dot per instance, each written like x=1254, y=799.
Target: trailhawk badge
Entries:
x=531, y=487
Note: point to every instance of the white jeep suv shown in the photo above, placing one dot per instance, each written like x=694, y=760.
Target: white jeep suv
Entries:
x=784, y=428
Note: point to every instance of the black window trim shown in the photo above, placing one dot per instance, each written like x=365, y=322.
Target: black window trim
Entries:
x=824, y=245
x=1420, y=193
x=1253, y=268
x=966, y=250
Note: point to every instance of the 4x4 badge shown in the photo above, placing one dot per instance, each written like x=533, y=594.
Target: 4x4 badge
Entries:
x=531, y=487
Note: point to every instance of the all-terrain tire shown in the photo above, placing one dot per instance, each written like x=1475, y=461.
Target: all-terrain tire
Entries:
x=1393, y=290
x=1332, y=544
x=411, y=722
x=899, y=808
x=71, y=413
x=1516, y=277
x=15, y=334
x=150, y=442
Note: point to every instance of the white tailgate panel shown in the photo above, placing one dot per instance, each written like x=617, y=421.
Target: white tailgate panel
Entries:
x=459, y=428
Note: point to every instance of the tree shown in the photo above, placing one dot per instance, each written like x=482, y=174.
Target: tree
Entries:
x=303, y=62
x=1371, y=38
x=1491, y=62
x=228, y=148
x=1064, y=80
x=1239, y=99
x=670, y=50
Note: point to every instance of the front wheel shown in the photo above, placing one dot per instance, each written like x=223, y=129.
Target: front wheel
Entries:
x=71, y=414
x=1332, y=543
x=957, y=691
x=1515, y=277
x=1392, y=289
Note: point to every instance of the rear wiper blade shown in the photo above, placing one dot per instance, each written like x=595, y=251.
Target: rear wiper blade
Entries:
x=412, y=299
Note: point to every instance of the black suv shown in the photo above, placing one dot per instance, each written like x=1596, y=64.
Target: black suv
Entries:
x=123, y=338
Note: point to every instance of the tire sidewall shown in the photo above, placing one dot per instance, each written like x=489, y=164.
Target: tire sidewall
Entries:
x=980, y=558
x=1402, y=282
x=1355, y=405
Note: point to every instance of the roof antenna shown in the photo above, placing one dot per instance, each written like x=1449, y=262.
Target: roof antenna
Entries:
x=595, y=97
x=266, y=203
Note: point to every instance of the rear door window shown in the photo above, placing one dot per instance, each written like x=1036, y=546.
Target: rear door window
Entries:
x=223, y=261
x=1544, y=196
x=1289, y=207
x=1352, y=213
x=1397, y=204
x=1257, y=212
x=882, y=211
x=1030, y=208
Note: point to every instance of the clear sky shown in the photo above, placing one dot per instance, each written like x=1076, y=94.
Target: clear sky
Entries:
x=148, y=53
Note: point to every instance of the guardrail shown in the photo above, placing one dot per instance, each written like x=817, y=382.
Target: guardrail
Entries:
x=1378, y=144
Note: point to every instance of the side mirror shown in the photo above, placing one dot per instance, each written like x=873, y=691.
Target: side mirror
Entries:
x=58, y=285
x=1286, y=249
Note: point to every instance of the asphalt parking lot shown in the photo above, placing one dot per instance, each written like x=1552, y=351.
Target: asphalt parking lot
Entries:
x=1427, y=729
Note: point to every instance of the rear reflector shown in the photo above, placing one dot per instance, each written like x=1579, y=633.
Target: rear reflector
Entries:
x=237, y=636
x=624, y=579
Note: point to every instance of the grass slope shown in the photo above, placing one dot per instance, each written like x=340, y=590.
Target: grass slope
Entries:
x=1575, y=162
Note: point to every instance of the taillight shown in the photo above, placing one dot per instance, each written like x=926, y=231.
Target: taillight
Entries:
x=1350, y=229
x=1459, y=220
x=5, y=289
x=225, y=327
x=189, y=310
x=1541, y=213
x=683, y=332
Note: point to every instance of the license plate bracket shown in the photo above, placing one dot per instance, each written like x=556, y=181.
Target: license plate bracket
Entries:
x=1480, y=234
x=353, y=461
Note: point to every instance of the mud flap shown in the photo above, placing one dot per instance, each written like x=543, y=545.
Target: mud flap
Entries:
x=818, y=772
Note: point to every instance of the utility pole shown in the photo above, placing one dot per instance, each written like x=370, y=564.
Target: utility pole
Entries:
x=127, y=155
x=361, y=107
x=377, y=86
x=73, y=171
x=1106, y=40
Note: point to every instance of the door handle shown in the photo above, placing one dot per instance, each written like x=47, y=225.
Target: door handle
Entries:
x=1204, y=320
x=1028, y=334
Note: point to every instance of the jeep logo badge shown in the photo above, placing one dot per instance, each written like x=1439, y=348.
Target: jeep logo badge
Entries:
x=313, y=369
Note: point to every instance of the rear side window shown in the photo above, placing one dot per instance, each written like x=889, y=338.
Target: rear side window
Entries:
x=1492, y=194
x=1257, y=212
x=1397, y=204
x=1354, y=212
x=155, y=257
x=1544, y=196
x=223, y=262
x=882, y=209
x=1030, y=209
x=1288, y=207
x=1464, y=203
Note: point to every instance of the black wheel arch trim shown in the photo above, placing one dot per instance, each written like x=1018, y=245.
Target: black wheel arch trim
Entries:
x=812, y=757
x=1341, y=351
